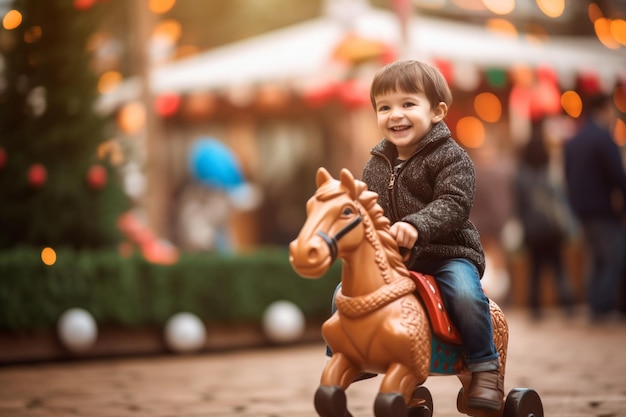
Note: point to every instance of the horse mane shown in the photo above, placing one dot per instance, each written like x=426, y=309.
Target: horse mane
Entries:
x=369, y=201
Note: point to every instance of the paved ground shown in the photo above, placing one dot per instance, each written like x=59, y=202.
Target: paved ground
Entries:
x=578, y=369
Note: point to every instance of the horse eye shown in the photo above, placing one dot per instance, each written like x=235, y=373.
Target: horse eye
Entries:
x=347, y=211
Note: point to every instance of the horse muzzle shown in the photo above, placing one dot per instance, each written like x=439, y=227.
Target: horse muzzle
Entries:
x=311, y=258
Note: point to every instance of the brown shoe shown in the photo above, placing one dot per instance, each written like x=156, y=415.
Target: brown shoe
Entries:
x=486, y=391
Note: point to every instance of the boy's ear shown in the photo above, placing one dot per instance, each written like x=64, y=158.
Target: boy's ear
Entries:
x=439, y=112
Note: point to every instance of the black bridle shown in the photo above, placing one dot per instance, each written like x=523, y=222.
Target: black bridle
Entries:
x=332, y=241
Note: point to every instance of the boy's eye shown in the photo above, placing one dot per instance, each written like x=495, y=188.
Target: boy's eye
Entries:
x=383, y=108
x=409, y=104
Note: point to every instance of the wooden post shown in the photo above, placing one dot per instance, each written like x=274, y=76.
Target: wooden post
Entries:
x=155, y=199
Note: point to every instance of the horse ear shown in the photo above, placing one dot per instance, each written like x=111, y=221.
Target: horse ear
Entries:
x=347, y=180
x=322, y=177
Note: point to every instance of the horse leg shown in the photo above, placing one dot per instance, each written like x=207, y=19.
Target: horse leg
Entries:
x=339, y=371
x=330, y=397
x=395, y=391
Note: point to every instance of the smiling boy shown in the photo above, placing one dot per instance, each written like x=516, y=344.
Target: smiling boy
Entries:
x=426, y=183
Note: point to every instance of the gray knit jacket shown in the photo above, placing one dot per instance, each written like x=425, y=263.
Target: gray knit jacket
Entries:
x=434, y=191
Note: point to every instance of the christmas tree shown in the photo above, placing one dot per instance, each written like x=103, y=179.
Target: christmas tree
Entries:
x=57, y=184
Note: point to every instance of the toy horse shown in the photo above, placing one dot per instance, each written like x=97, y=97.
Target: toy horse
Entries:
x=381, y=326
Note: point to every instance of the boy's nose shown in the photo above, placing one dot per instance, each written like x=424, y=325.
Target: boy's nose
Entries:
x=397, y=113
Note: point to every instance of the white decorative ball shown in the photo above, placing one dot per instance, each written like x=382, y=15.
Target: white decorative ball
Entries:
x=77, y=329
x=185, y=332
x=283, y=322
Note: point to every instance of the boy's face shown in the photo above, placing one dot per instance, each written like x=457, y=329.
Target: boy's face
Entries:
x=405, y=118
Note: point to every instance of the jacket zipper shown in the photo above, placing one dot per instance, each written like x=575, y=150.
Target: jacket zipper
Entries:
x=391, y=186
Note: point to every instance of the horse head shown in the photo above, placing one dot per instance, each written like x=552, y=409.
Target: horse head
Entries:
x=333, y=226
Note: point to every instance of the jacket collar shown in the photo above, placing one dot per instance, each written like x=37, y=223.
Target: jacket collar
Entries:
x=440, y=131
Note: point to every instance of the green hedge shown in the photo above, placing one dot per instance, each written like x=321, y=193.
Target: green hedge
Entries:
x=132, y=292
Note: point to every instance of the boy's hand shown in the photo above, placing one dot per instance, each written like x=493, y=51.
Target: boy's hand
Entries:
x=404, y=234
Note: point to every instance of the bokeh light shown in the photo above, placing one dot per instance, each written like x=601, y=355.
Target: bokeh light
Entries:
x=488, y=107
x=37, y=175
x=3, y=157
x=619, y=98
x=109, y=81
x=97, y=177
x=83, y=4
x=12, y=20
x=132, y=117
x=594, y=12
x=572, y=103
x=620, y=132
x=112, y=150
x=167, y=104
x=184, y=51
x=470, y=132
x=500, y=6
x=169, y=29
x=161, y=6
x=552, y=8
x=618, y=30
x=501, y=27
x=32, y=34
x=496, y=77
x=48, y=256
x=470, y=5
x=602, y=27
x=522, y=75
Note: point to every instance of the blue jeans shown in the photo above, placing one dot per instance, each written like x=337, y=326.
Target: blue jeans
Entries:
x=468, y=307
x=606, y=241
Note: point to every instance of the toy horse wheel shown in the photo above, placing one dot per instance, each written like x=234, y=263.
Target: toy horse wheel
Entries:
x=423, y=401
x=330, y=401
x=523, y=402
x=460, y=402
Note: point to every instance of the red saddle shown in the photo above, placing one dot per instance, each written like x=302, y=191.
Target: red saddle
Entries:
x=428, y=291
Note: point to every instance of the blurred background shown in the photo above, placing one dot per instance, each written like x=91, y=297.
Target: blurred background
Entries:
x=144, y=135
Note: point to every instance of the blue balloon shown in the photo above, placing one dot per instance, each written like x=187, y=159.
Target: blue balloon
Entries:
x=213, y=164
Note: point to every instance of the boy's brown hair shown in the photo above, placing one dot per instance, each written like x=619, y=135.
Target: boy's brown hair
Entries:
x=412, y=77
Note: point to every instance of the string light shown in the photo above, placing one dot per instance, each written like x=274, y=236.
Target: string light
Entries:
x=161, y=6
x=470, y=132
x=620, y=133
x=48, y=256
x=572, y=103
x=488, y=107
x=602, y=27
x=32, y=34
x=618, y=30
x=12, y=20
x=109, y=81
x=501, y=7
x=501, y=27
x=551, y=8
x=619, y=98
x=132, y=117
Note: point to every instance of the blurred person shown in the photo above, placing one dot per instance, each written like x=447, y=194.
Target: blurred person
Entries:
x=595, y=176
x=544, y=214
x=493, y=207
